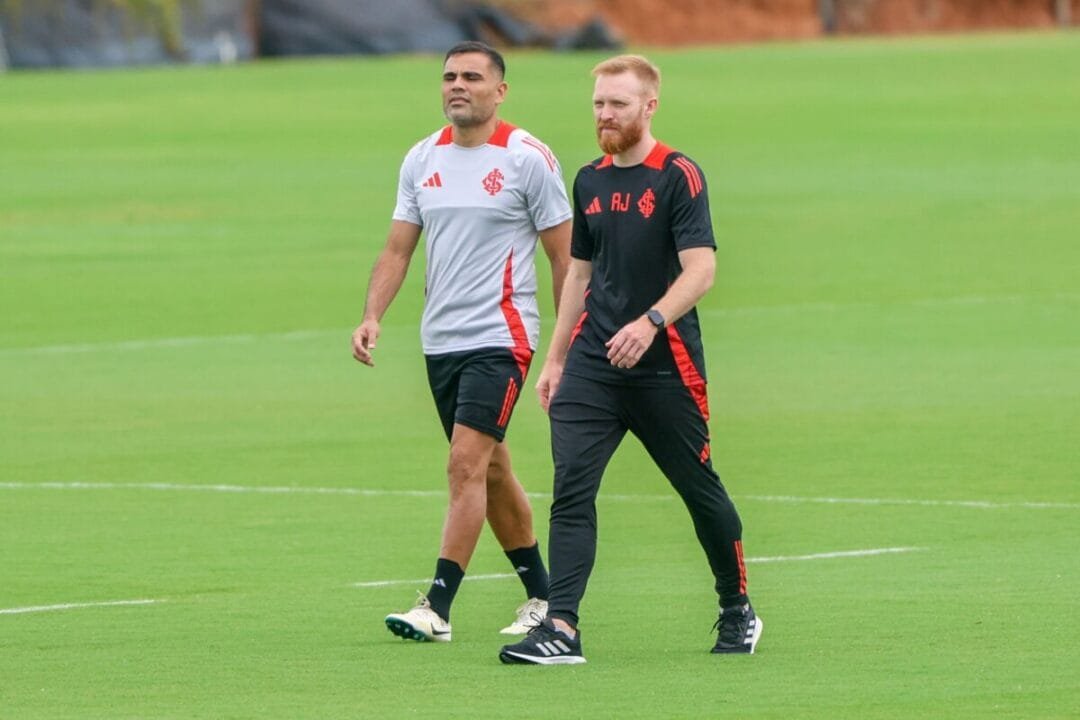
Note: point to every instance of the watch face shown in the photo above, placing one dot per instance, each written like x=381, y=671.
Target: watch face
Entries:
x=655, y=318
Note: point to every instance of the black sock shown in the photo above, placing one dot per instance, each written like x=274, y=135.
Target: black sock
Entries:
x=444, y=587
x=530, y=568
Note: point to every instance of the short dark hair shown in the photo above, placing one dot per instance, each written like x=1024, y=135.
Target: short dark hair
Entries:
x=475, y=46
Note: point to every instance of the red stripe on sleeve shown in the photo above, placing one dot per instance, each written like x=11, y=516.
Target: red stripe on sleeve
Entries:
x=693, y=178
x=695, y=172
x=539, y=147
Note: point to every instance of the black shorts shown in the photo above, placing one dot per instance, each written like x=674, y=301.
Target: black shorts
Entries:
x=477, y=388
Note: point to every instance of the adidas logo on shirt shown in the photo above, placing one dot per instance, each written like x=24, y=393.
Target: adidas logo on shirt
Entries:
x=594, y=207
x=433, y=181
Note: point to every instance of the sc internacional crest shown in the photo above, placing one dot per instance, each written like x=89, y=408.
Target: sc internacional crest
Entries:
x=493, y=182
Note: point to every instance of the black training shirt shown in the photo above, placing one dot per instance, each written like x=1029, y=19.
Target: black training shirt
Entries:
x=631, y=223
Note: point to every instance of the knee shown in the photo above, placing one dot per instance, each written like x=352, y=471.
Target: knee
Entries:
x=575, y=506
x=711, y=505
x=574, y=470
x=463, y=469
x=498, y=474
x=578, y=517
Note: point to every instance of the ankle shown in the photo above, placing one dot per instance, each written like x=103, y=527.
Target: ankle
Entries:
x=564, y=627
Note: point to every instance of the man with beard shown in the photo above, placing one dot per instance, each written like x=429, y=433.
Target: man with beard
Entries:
x=642, y=256
x=481, y=190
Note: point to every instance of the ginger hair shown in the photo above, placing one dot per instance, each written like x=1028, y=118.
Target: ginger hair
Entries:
x=645, y=71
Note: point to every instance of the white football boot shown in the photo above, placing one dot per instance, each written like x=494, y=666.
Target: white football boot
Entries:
x=421, y=623
x=529, y=616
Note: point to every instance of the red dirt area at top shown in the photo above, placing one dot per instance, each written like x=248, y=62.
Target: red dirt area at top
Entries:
x=699, y=22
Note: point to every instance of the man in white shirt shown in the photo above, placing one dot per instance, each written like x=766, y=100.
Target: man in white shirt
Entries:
x=481, y=191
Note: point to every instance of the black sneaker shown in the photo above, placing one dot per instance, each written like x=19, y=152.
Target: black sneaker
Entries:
x=544, y=645
x=740, y=629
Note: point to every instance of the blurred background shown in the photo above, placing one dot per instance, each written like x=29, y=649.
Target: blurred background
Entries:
x=105, y=33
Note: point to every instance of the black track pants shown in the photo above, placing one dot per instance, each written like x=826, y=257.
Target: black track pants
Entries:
x=588, y=421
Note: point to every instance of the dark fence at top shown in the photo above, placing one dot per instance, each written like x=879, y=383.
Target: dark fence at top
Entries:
x=104, y=33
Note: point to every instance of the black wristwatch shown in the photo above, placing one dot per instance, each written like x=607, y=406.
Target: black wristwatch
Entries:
x=656, y=318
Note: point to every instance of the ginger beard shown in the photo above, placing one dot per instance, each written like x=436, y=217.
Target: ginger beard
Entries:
x=618, y=139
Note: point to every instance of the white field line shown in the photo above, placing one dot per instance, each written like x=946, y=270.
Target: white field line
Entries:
x=831, y=555
x=74, y=606
x=269, y=490
x=977, y=504
x=173, y=342
x=374, y=492
x=427, y=581
x=776, y=558
x=957, y=301
x=247, y=338
x=240, y=489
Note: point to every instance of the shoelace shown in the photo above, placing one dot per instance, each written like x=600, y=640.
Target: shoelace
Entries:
x=527, y=615
x=540, y=627
x=530, y=603
x=733, y=628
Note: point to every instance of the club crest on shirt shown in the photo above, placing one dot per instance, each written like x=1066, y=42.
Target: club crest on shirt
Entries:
x=493, y=182
x=647, y=203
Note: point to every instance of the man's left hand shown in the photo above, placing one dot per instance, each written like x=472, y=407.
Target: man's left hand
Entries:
x=627, y=346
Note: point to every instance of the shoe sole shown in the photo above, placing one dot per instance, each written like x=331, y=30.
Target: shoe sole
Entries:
x=511, y=658
x=407, y=631
x=742, y=650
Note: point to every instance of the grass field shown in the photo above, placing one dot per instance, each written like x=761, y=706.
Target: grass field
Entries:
x=894, y=351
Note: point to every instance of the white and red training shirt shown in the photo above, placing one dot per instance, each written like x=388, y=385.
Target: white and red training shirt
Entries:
x=481, y=209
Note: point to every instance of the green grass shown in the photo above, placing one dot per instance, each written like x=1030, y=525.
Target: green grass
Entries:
x=183, y=253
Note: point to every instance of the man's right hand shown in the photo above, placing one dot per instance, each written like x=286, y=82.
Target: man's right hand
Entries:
x=548, y=383
x=363, y=341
